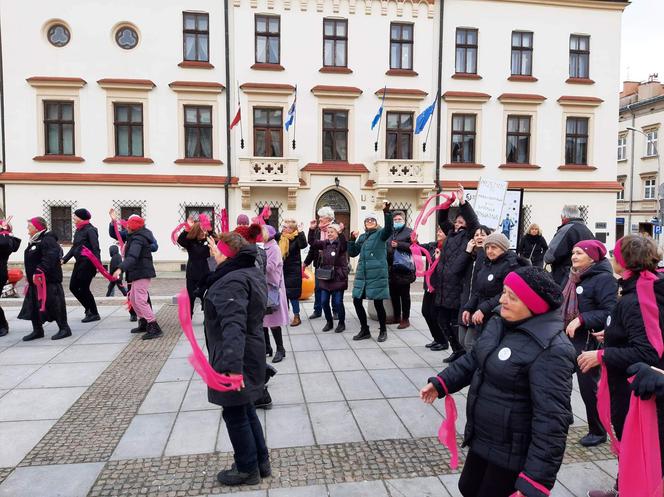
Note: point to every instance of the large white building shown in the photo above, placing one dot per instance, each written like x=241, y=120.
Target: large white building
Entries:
x=128, y=105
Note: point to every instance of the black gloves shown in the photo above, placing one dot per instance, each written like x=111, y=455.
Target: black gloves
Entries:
x=647, y=381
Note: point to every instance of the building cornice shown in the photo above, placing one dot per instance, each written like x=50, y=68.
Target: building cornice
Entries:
x=558, y=186
x=584, y=4
x=401, y=93
x=336, y=91
x=196, y=86
x=113, y=179
x=126, y=84
x=55, y=82
x=267, y=88
x=335, y=5
x=521, y=98
x=465, y=96
x=574, y=100
x=334, y=167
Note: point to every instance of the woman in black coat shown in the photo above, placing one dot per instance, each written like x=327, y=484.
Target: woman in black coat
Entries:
x=590, y=295
x=400, y=277
x=194, y=240
x=519, y=403
x=333, y=260
x=42, y=257
x=533, y=246
x=84, y=270
x=448, y=283
x=291, y=241
x=234, y=307
x=626, y=339
x=429, y=300
x=8, y=245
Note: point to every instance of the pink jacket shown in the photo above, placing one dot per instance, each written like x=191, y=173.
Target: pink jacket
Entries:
x=275, y=277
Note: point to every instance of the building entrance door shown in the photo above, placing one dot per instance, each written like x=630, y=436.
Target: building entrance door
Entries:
x=340, y=206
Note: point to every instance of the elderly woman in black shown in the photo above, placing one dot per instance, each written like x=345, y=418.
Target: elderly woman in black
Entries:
x=520, y=376
x=194, y=240
x=84, y=270
x=8, y=245
x=42, y=259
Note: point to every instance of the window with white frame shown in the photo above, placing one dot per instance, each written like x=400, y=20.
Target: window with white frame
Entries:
x=649, y=188
x=622, y=147
x=621, y=194
x=651, y=142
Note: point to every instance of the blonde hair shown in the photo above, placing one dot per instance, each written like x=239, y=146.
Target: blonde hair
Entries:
x=535, y=226
x=289, y=222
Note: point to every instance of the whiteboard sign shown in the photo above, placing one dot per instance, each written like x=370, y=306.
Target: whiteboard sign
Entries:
x=510, y=211
x=488, y=203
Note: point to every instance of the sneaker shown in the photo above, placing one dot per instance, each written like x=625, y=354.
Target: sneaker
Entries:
x=592, y=440
x=233, y=477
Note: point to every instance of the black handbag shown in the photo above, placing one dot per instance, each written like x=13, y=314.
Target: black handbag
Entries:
x=324, y=273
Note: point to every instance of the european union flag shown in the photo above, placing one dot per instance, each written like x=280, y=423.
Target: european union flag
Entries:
x=291, y=113
x=423, y=118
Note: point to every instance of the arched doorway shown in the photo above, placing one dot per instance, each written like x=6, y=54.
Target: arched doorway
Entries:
x=340, y=205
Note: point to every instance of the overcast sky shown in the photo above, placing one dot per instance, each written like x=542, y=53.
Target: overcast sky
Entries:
x=642, y=40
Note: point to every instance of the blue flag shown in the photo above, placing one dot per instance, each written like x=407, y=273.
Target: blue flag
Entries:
x=291, y=113
x=377, y=117
x=423, y=118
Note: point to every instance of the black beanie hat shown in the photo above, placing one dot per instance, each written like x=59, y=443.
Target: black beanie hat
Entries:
x=541, y=282
x=83, y=214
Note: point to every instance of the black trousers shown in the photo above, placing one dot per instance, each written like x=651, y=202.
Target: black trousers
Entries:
x=448, y=320
x=79, y=285
x=588, y=385
x=480, y=478
x=192, y=284
x=362, y=314
x=430, y=316
x=246, y=435
x=3, y=320
x=400, y=295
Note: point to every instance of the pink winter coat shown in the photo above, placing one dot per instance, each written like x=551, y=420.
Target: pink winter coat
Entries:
x=275, y=277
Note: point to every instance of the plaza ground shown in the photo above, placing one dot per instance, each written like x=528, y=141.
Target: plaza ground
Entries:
x=103, y=413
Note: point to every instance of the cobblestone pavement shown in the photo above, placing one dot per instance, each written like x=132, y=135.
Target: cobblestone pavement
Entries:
x=125, y=417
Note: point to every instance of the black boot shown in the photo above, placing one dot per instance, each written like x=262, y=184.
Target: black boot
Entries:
x=270, y=371
x=279, y=342
x=382, y=336
x=90, y=317
x=265, y=469
x=233, y=477
x=265, y=402
x=153, y=331
x=315, y=315
x=37, y=332
x=328, y=326
x=142, y=326
x=364, y=334
x=454, y=356
x=268, y=345
x=133, y=318
x=4, y=330
x=340, y=327
x=62, y=333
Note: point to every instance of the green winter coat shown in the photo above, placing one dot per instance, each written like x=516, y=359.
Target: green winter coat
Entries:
x=371, y=277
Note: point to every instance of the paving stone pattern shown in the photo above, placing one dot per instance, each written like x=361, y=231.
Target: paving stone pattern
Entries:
x=93, y=426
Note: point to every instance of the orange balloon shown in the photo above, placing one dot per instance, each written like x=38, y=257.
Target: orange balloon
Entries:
x=308, y=284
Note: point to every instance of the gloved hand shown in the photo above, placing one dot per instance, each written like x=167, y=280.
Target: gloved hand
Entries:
x=647, y=381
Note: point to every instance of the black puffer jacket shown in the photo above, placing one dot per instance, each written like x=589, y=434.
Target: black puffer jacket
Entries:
x=234, y=309
x=559, y=253
x=468, y=266
x=448, y=283
x=137, y=263
x=198, y=252
x=44, y=253
x=8, y=245
x=313, y=256
x=626, y=343
x=597, y=294
x=332, y=255
x=431, y=248
x=489, y=283
x=519, y=402
x=402, y=237
x=87, y=236
x=533, y=247
x=293, y=265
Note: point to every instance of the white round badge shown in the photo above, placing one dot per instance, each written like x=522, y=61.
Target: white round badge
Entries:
x=579, y=290
x=608, y=321
x=333, y=254
x=490, y=278
x=504, y=353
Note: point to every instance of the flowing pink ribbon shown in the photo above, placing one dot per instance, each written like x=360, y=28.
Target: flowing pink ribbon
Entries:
x=176, y=232
x=447, y=430
x=604, y=405
x=39, y=279
x=118, y=237
x=86, y=252
x=216, y=381
x=204, y=220
x=225, y=225
x=538, y=486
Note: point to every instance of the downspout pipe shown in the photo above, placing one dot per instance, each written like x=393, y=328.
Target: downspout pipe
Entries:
x=631, y=174
x=3, y=205
x=227, y=184
x=438, y=92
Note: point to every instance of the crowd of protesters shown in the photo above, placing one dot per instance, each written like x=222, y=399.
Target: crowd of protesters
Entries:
x=520, y=323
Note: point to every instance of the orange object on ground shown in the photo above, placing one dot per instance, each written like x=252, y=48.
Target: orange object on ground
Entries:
x=14, y=276
x=308, y=284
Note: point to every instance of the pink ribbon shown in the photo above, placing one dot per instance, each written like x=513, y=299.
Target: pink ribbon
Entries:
x=225, y=226
x=176, y=232
x=538, y=486
x=118, y=236
x=204, y=220
x=216, y=381
x=447, y=430
x=39, y=279
x=86, y=252
x=604, y=405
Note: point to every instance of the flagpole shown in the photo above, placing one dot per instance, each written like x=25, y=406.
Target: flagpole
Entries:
x=295, y=117
x=239, y=105
x=426, y=138
x=382, y=106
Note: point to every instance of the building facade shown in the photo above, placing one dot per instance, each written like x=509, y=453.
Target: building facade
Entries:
x=639, y=163
x=129, y=107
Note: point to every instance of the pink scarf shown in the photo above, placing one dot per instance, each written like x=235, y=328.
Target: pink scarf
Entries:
x=81, y=224
x=216, y=381
x=447, y=430
x=639, y=461
x=39, y=279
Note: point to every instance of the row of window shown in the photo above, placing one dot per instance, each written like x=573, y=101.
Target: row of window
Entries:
x=649, y=186
x=651, y=149
x=267, y=39
x=268, y=136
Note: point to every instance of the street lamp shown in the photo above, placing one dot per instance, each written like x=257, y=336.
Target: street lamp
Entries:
x=659, y=168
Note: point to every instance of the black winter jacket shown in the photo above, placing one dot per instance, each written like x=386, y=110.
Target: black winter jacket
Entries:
x=45, y=254
x=8, y=245
x=489, y=282
x=431, y=248
x=626, y=343
x=402, y=237
x=519, y=402
x=332, y=255
x=293, y=265
x=449, y=284
x=597, y=295
x=116, y=258
x=198, y=252
x=137, y=263
x=313, y=256
x=468, y=266
x=533, y=248
x=124, y=234
x=234, y=309
x=559, y=253
x=87, y=236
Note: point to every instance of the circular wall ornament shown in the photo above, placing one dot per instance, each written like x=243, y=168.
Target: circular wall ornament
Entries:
x=126, y=37
x=58, y=35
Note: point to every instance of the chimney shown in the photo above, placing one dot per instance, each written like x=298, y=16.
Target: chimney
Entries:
x=629, y=87
x=651, y=88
